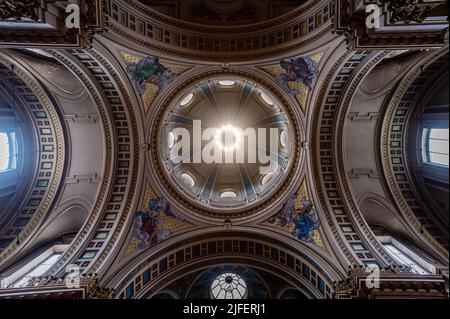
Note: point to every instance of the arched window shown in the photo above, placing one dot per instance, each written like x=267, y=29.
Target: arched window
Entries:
x=403, y=255
x=228, y=194
x=229, y=286
x=435, y=146
x=37, y=267
x=188, y=179
x=7, y=151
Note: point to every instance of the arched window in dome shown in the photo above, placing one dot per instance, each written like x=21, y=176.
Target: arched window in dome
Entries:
x=170, y=140
x=227, y=83
x=228, y=194
x=435, y=146
x=229, y=286
x=7, y=151
x=266, y=99
x=267, y=178
x=187, y=99
x=405, y=256
x=283, y=138
x=188, y=179
x=35, y=268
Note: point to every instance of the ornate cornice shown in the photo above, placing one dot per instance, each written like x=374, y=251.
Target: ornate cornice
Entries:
x=85, y=286
x=41, y=23
x=390, y=282
x=395, y=30
x=144, y=27
x=153, y=270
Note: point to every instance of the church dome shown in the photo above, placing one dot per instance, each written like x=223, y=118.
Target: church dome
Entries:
x=225, y=143
x=236, y=126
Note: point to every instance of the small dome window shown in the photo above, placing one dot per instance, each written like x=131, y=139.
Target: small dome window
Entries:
x=229, y=286
x=187, y=99
x=188, y=179
x=227, y=83
x=228, y=194
x=283, y=138
x=266, y=99
x=267, y=178
x=170, y=140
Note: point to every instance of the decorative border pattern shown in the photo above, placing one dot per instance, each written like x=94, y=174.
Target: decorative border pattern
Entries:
x=48, y=130
x=393, y=155
x=141, y=278
x=145, y=27
x=324, y=123
x=108, y=217
x=120, y=194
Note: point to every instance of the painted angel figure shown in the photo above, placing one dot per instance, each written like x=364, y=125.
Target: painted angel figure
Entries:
x=306, y=221
x=286, y=213
x=149, y=71
x=147, y=223
x=299, y=69
x=301, y=222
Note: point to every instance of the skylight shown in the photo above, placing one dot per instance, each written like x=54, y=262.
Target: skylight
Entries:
x=229, y=286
